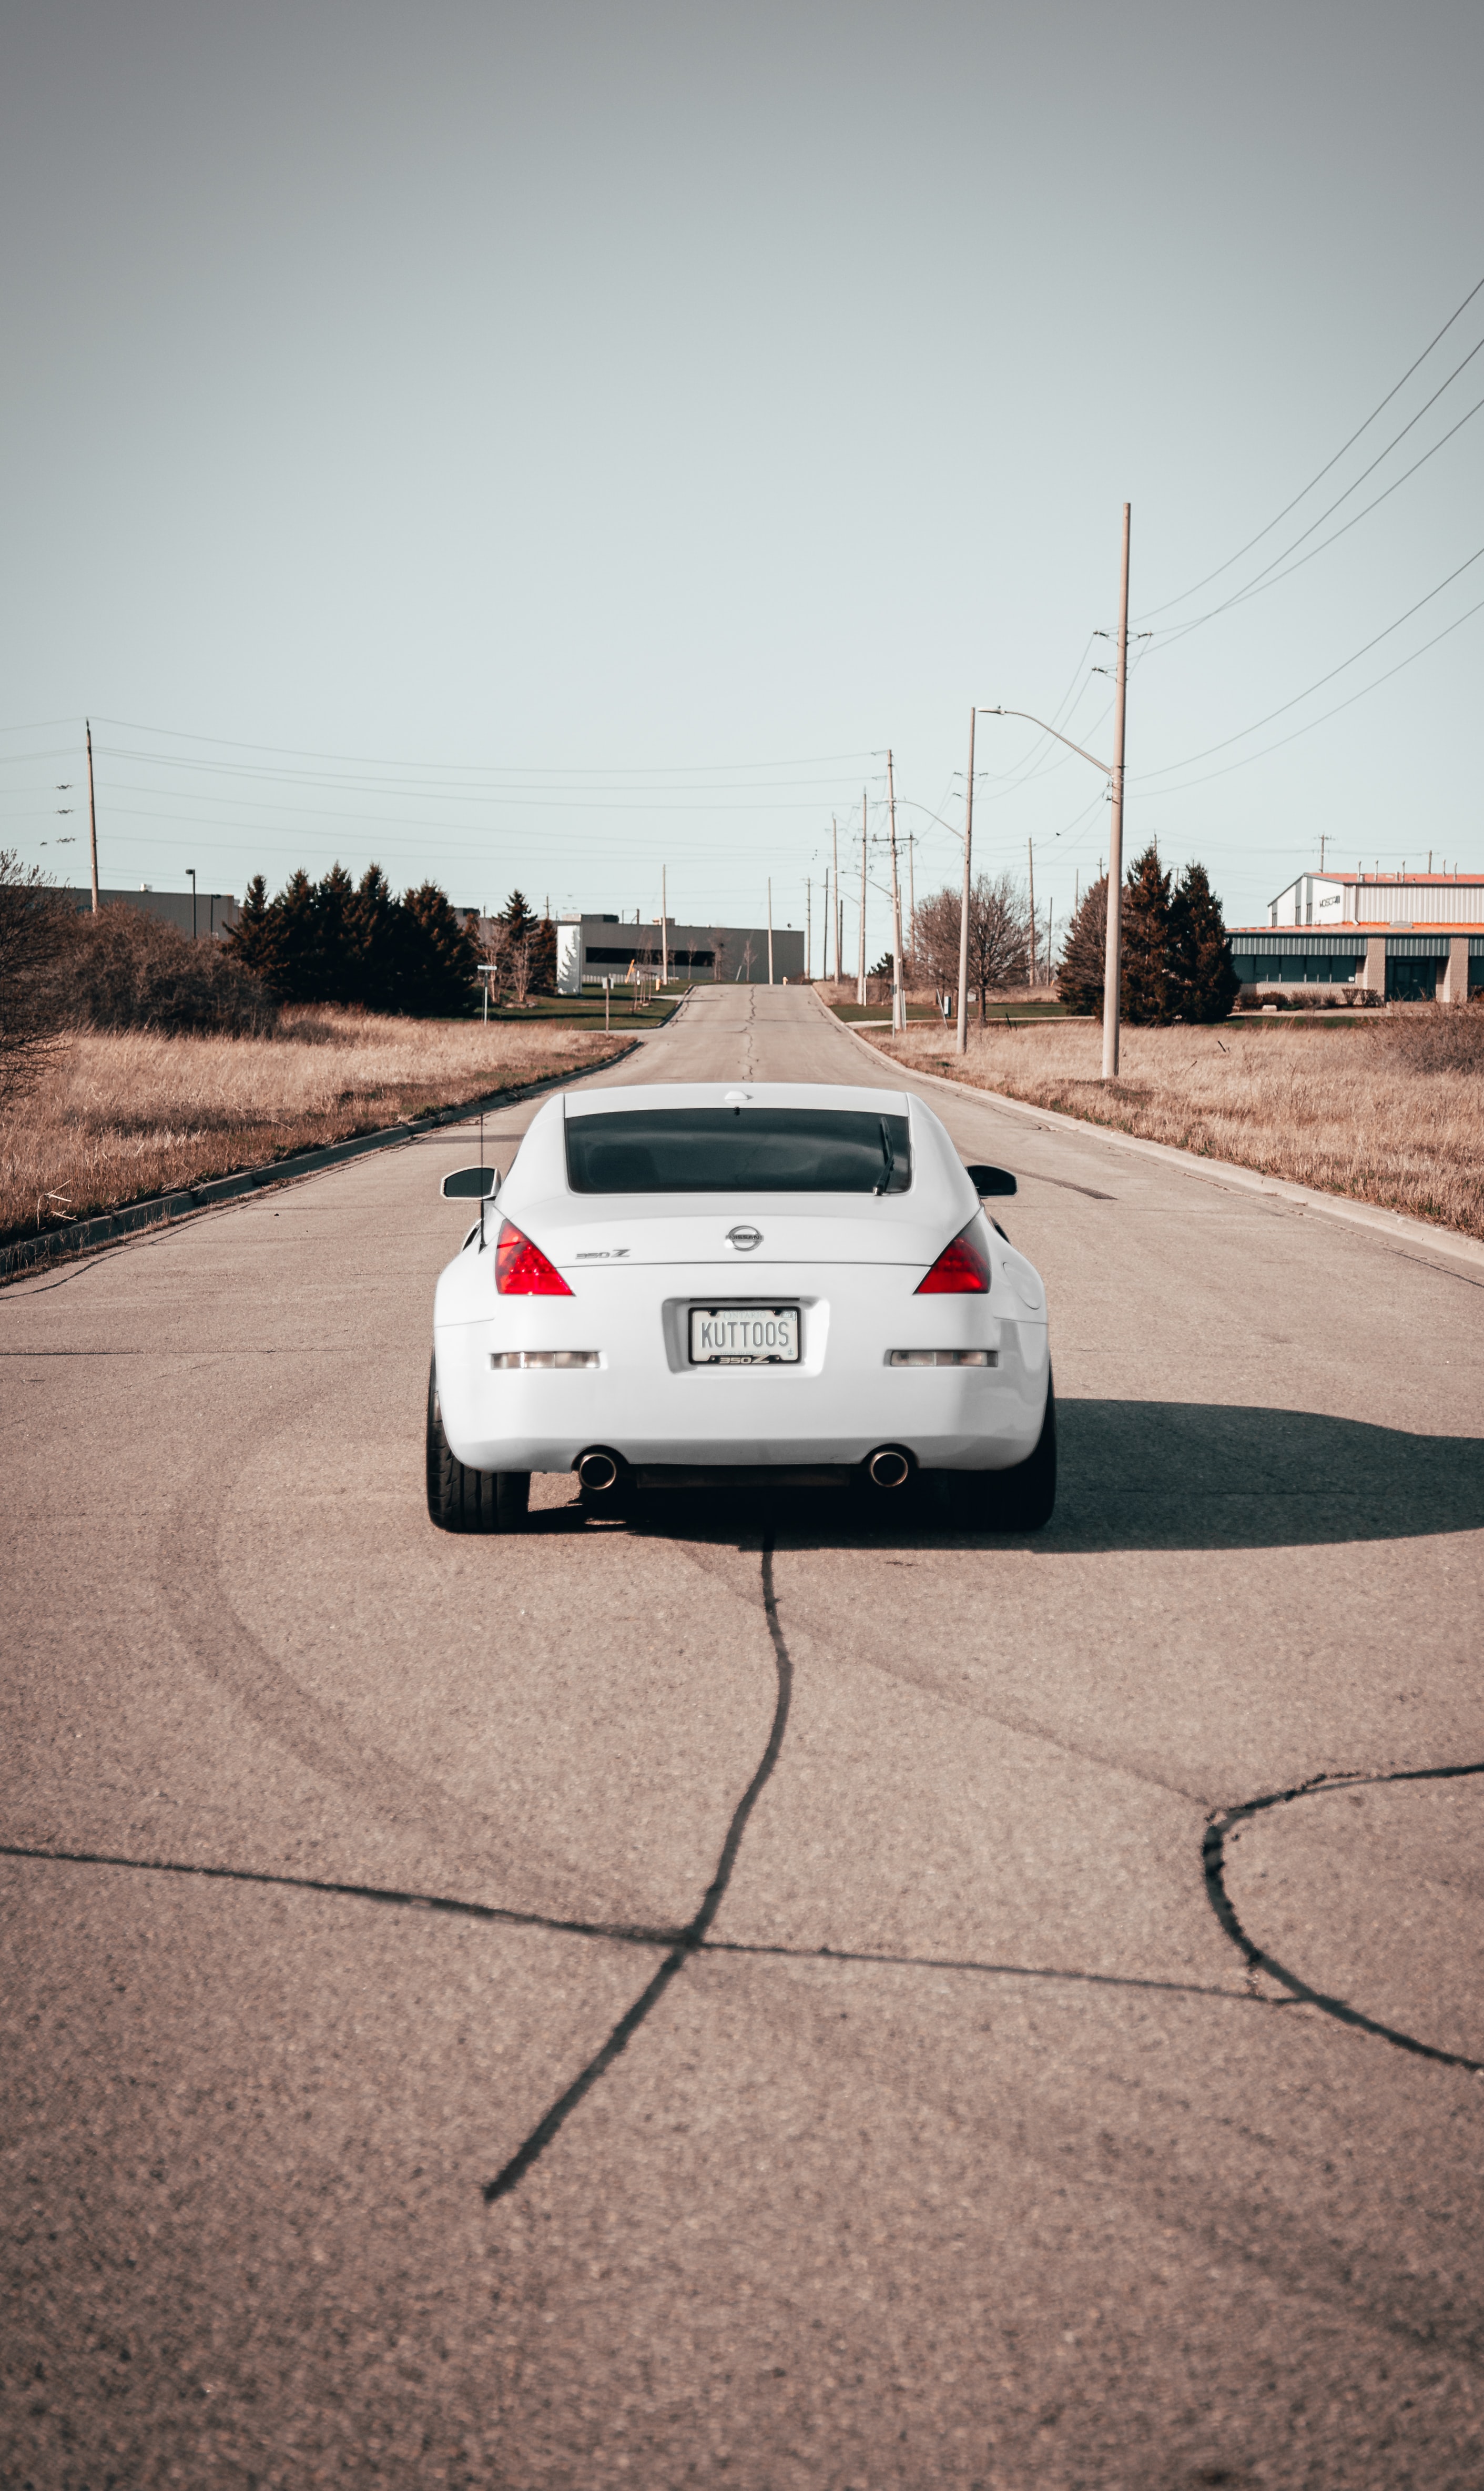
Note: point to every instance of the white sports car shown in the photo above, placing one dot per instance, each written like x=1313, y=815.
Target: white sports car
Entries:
x=777, y=1283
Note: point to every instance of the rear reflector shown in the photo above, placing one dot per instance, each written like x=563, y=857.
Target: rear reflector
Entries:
x=522, y=1270
x=505, y=1358
x=943, y=1358
x=961, y=1271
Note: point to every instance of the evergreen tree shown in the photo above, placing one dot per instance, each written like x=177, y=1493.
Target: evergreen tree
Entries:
x=439, y=957
x=333, y=972
x=1202, y=982
x=376, y=934
x=542, y=940
x=1085, y=953
x=249, y=941
x=518, y=917
x=294, y=941
x=1146, y=980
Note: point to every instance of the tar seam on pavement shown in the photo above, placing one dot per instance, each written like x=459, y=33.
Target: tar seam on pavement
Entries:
x=1214, y=1862
x=693, y=1939
x=692, y=1936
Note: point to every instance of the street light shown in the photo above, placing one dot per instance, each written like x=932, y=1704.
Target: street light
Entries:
x=1112, y=965
x=191, y=870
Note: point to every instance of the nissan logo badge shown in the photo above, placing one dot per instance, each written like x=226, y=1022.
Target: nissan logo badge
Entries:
x=744, y=1239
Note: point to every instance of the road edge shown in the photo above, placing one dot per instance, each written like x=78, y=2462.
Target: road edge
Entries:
x=1398, y=1225
x=87, y=1236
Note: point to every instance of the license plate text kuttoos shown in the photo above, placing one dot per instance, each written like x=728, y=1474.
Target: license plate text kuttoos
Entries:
x=743, y=1336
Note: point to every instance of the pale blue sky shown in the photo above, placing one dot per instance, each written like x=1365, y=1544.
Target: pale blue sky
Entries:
x=609, y=428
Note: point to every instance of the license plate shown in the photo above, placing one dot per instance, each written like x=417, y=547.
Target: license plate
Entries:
x=743, y=1336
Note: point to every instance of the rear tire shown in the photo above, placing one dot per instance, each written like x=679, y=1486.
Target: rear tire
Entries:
x=461, y=1499
x=1023, y=1499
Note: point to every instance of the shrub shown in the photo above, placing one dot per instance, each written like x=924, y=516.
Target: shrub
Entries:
x=1448, y=1039
x=121, y=969
x=35, y=922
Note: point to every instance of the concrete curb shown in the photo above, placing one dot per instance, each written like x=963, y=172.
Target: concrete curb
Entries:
x=1397, y=1225
x=82, y=1236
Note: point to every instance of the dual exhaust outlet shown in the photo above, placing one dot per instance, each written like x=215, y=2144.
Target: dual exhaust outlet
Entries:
x=598, y=1470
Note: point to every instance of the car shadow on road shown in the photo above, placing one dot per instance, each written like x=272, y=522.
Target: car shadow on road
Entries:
x=1141, y=1475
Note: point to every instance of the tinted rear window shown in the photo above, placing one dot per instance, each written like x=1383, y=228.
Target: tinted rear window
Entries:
x=731, y=1149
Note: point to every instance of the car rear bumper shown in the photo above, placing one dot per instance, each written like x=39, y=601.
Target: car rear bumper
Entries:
x=646, y=1403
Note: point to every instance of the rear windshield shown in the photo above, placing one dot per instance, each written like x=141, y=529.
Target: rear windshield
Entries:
x=730, y=1150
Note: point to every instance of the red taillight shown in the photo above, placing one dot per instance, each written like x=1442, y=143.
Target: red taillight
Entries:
x=961, y=1271
x=521, y=1269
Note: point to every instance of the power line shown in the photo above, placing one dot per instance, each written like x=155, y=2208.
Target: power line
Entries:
x=1258, y=586
x=371, y=761
x=1272, y=523
x=1158, y=795
x=1353, y=660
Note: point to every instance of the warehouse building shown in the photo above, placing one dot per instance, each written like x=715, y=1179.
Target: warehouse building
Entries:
x=1409, y=938
x=202, y=913
x=591, y=949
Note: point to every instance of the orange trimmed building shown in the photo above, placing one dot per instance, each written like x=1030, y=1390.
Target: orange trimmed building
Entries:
x=1408, y=937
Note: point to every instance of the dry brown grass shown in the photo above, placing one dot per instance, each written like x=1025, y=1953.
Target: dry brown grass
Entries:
x=127, y=1113
x=1389, y=1110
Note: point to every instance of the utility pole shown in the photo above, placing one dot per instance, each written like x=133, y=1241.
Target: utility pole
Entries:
x=92, y=815
x=1031, y=853
x=1113, y=963
x=191, y=870
x=839, y=914
x=824, y=957
x=1324, y=836
x=808, y=932
x=860, y=980
x=963, y=912
x=769, y=929
x=899, y=999
x=665, y=929
x=912, y=895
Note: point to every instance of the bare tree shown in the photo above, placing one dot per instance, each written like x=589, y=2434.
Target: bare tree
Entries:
x=522, y=958
x=35, y=926
x=495, y=949
x=998, y=937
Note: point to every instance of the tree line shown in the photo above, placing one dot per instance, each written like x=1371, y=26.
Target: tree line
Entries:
x=358, y=945
x=1175, y=958
x=1177, y=961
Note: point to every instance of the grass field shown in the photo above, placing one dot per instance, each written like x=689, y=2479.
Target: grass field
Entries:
x=124, y=1114
x=586, y=1011
x=1385, y=1108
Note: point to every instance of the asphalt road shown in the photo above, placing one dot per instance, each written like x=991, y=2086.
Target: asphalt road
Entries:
x=1016, y=2111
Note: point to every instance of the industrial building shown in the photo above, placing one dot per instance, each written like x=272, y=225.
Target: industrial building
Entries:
x=591, y=949
x=1407, y=937
x=189, y=912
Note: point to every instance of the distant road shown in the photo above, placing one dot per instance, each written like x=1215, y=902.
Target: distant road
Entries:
x=971, y=2147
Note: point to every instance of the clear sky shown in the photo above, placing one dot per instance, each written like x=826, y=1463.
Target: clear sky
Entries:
x=543, y=444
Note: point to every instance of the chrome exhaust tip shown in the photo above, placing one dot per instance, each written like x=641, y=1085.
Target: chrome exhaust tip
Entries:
x=597, y=1471
x=888, y=1468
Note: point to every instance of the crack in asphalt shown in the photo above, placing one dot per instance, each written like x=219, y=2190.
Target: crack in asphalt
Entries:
x=1214, y=1862
x=682, y=1944
x=692, y=1938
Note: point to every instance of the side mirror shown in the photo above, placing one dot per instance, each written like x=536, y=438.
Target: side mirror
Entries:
x=991, y=1179
x=470, y=1184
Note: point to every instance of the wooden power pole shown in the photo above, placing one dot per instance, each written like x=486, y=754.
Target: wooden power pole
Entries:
x=839, y=920
x=1031, y=853
x=963, y=912
x=92, y=815
x=899, y=999
x=860, y=979
x=1112, y=961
